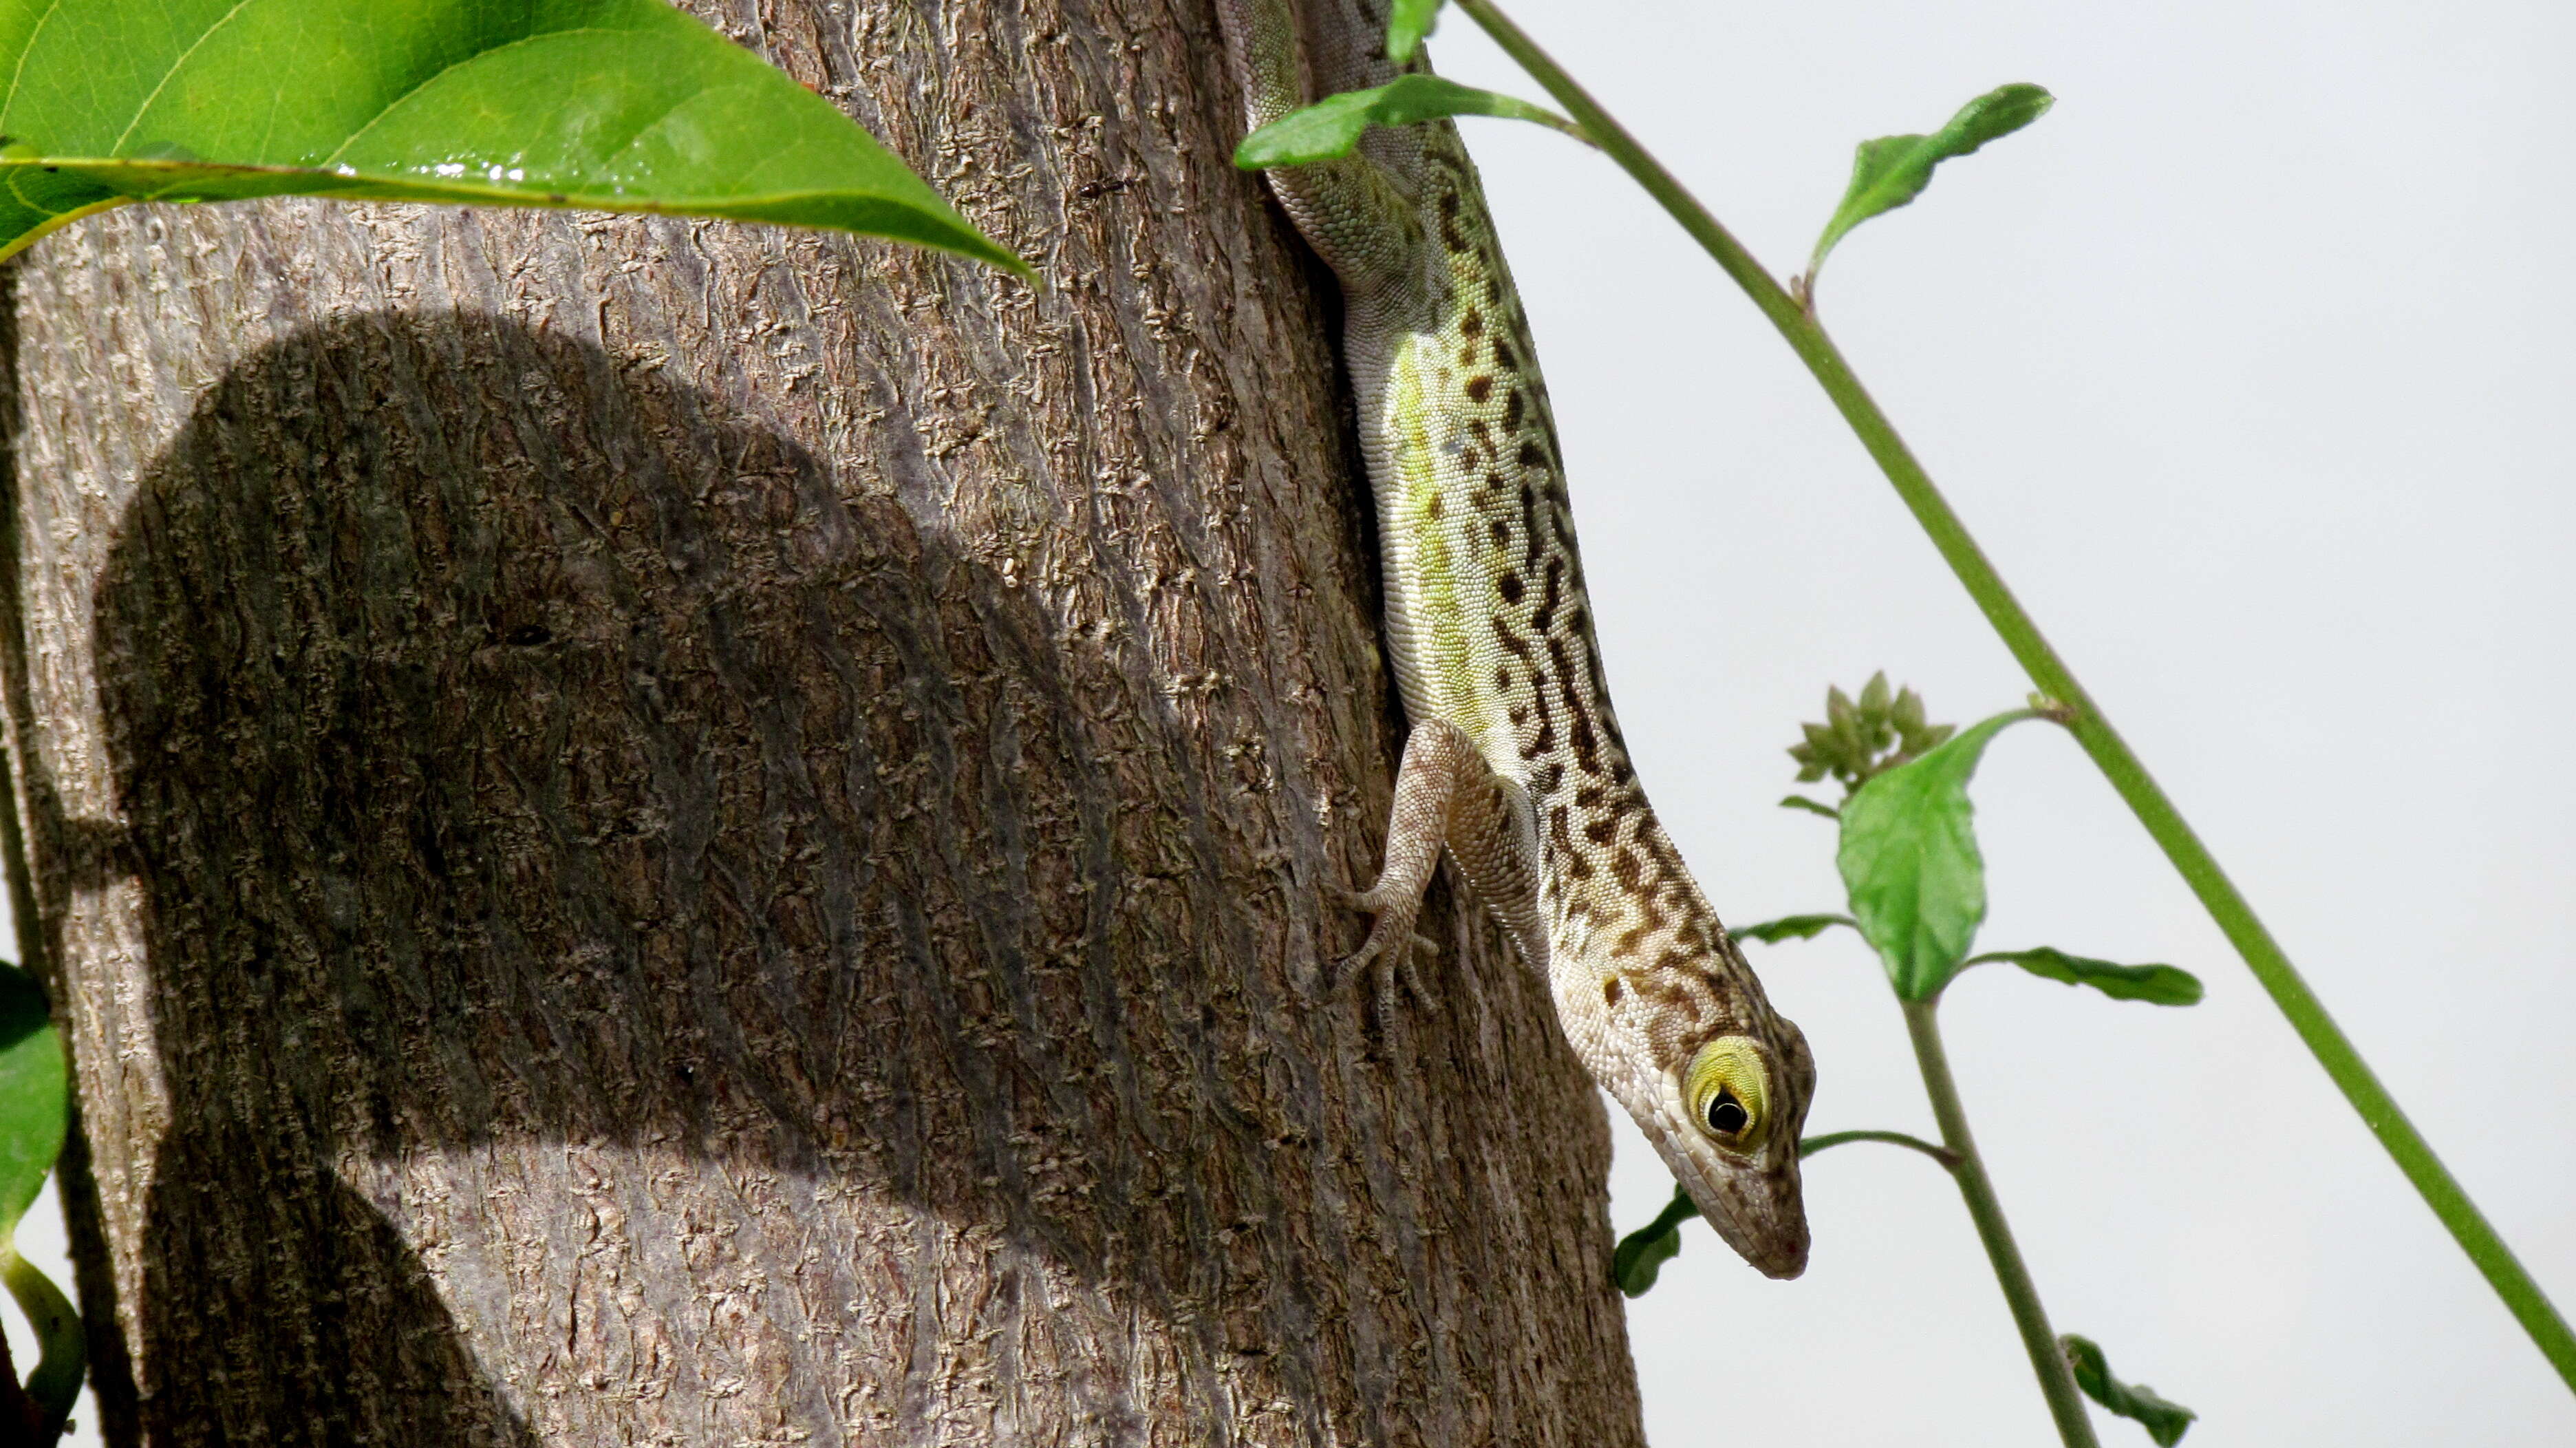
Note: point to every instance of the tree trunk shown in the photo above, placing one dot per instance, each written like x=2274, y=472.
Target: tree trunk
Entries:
x=663, y=832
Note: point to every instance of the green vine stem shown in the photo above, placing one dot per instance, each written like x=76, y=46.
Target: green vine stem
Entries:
x=2056, y=1380
x=2263, y=955
x=63, y=1355
x=1809, y=1146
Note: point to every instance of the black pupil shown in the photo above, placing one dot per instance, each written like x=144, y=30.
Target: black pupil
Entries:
x=1726, y=1115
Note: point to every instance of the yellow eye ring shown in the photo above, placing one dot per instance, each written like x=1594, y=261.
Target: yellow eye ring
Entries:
x=1728, y=1091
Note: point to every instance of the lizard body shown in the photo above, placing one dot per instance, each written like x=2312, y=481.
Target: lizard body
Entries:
x=1515, y=762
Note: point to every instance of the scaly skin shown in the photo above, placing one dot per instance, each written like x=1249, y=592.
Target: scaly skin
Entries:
x=1515, y=762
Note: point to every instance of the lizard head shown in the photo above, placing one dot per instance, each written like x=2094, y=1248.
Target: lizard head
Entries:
x=1720, y=1085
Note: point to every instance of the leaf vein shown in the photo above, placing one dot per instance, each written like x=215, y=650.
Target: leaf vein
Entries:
x=176, y=66
x=396, y=103
x=52, y=8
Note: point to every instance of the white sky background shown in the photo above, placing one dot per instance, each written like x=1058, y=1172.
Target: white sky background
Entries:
x=2250, y=365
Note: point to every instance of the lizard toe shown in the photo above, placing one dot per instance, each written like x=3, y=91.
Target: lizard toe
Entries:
x=1371, y=901
x=1408, y=969
x=1391, y=941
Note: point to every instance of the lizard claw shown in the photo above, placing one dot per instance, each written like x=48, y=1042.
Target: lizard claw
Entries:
x=1391, y=940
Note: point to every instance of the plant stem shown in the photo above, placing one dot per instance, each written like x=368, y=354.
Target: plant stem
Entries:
x=56, y=1383
x=2056, y=1380
x=1677, y=1211
x=1811, y=1145
x=2218, y=895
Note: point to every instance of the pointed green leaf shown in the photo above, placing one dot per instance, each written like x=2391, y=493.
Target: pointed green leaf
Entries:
x=34, y=1095
x=1909, y=862
x=2164, y=1421
x=1893, y=170
x=1800, y=801
x=1822, y=745
x=611, y=105
x=1907, y=713
x=1873, y=695
x=1332, y=126
x=1791, y=927
x=2163, y=985
x=1641, y=1255
x=1407, y=24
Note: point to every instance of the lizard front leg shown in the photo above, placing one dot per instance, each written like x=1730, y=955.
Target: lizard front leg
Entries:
x=1446, y=794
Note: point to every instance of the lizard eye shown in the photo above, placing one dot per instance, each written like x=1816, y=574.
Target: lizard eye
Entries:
x=1726, y=1115
x=1727, y=1088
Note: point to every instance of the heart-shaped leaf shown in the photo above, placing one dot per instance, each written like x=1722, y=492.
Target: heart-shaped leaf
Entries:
x=2164, y=1421
x=1910, y=865
x=1893, y=170
x=1332, y=126
x=611, y=105
x=2163, y=985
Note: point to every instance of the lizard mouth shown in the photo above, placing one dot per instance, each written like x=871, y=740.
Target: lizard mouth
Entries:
x=1758, y=1217
x=1753, y=1201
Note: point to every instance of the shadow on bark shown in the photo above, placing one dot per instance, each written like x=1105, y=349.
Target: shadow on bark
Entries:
x=519, y=757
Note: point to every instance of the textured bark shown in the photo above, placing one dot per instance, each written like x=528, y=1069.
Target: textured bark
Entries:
x=655, y=832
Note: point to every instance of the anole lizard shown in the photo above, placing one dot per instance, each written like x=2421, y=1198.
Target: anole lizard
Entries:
x=1515, y=762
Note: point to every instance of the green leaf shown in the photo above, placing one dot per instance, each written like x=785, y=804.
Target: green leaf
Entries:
x=1843, y=723
x=34, y=1095
x=1332, y=126
x=56, y=1383
x=1907, y=714
x=1811, y=806
x=1874, y=698
x=2163, y=985
x=1824, y=755
x=1791, y=927
x=1409, y=21
x=610, y=105
x=1641, y=1255
x=2164, y=1421
x=1910, y=865
x=1893, y=170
